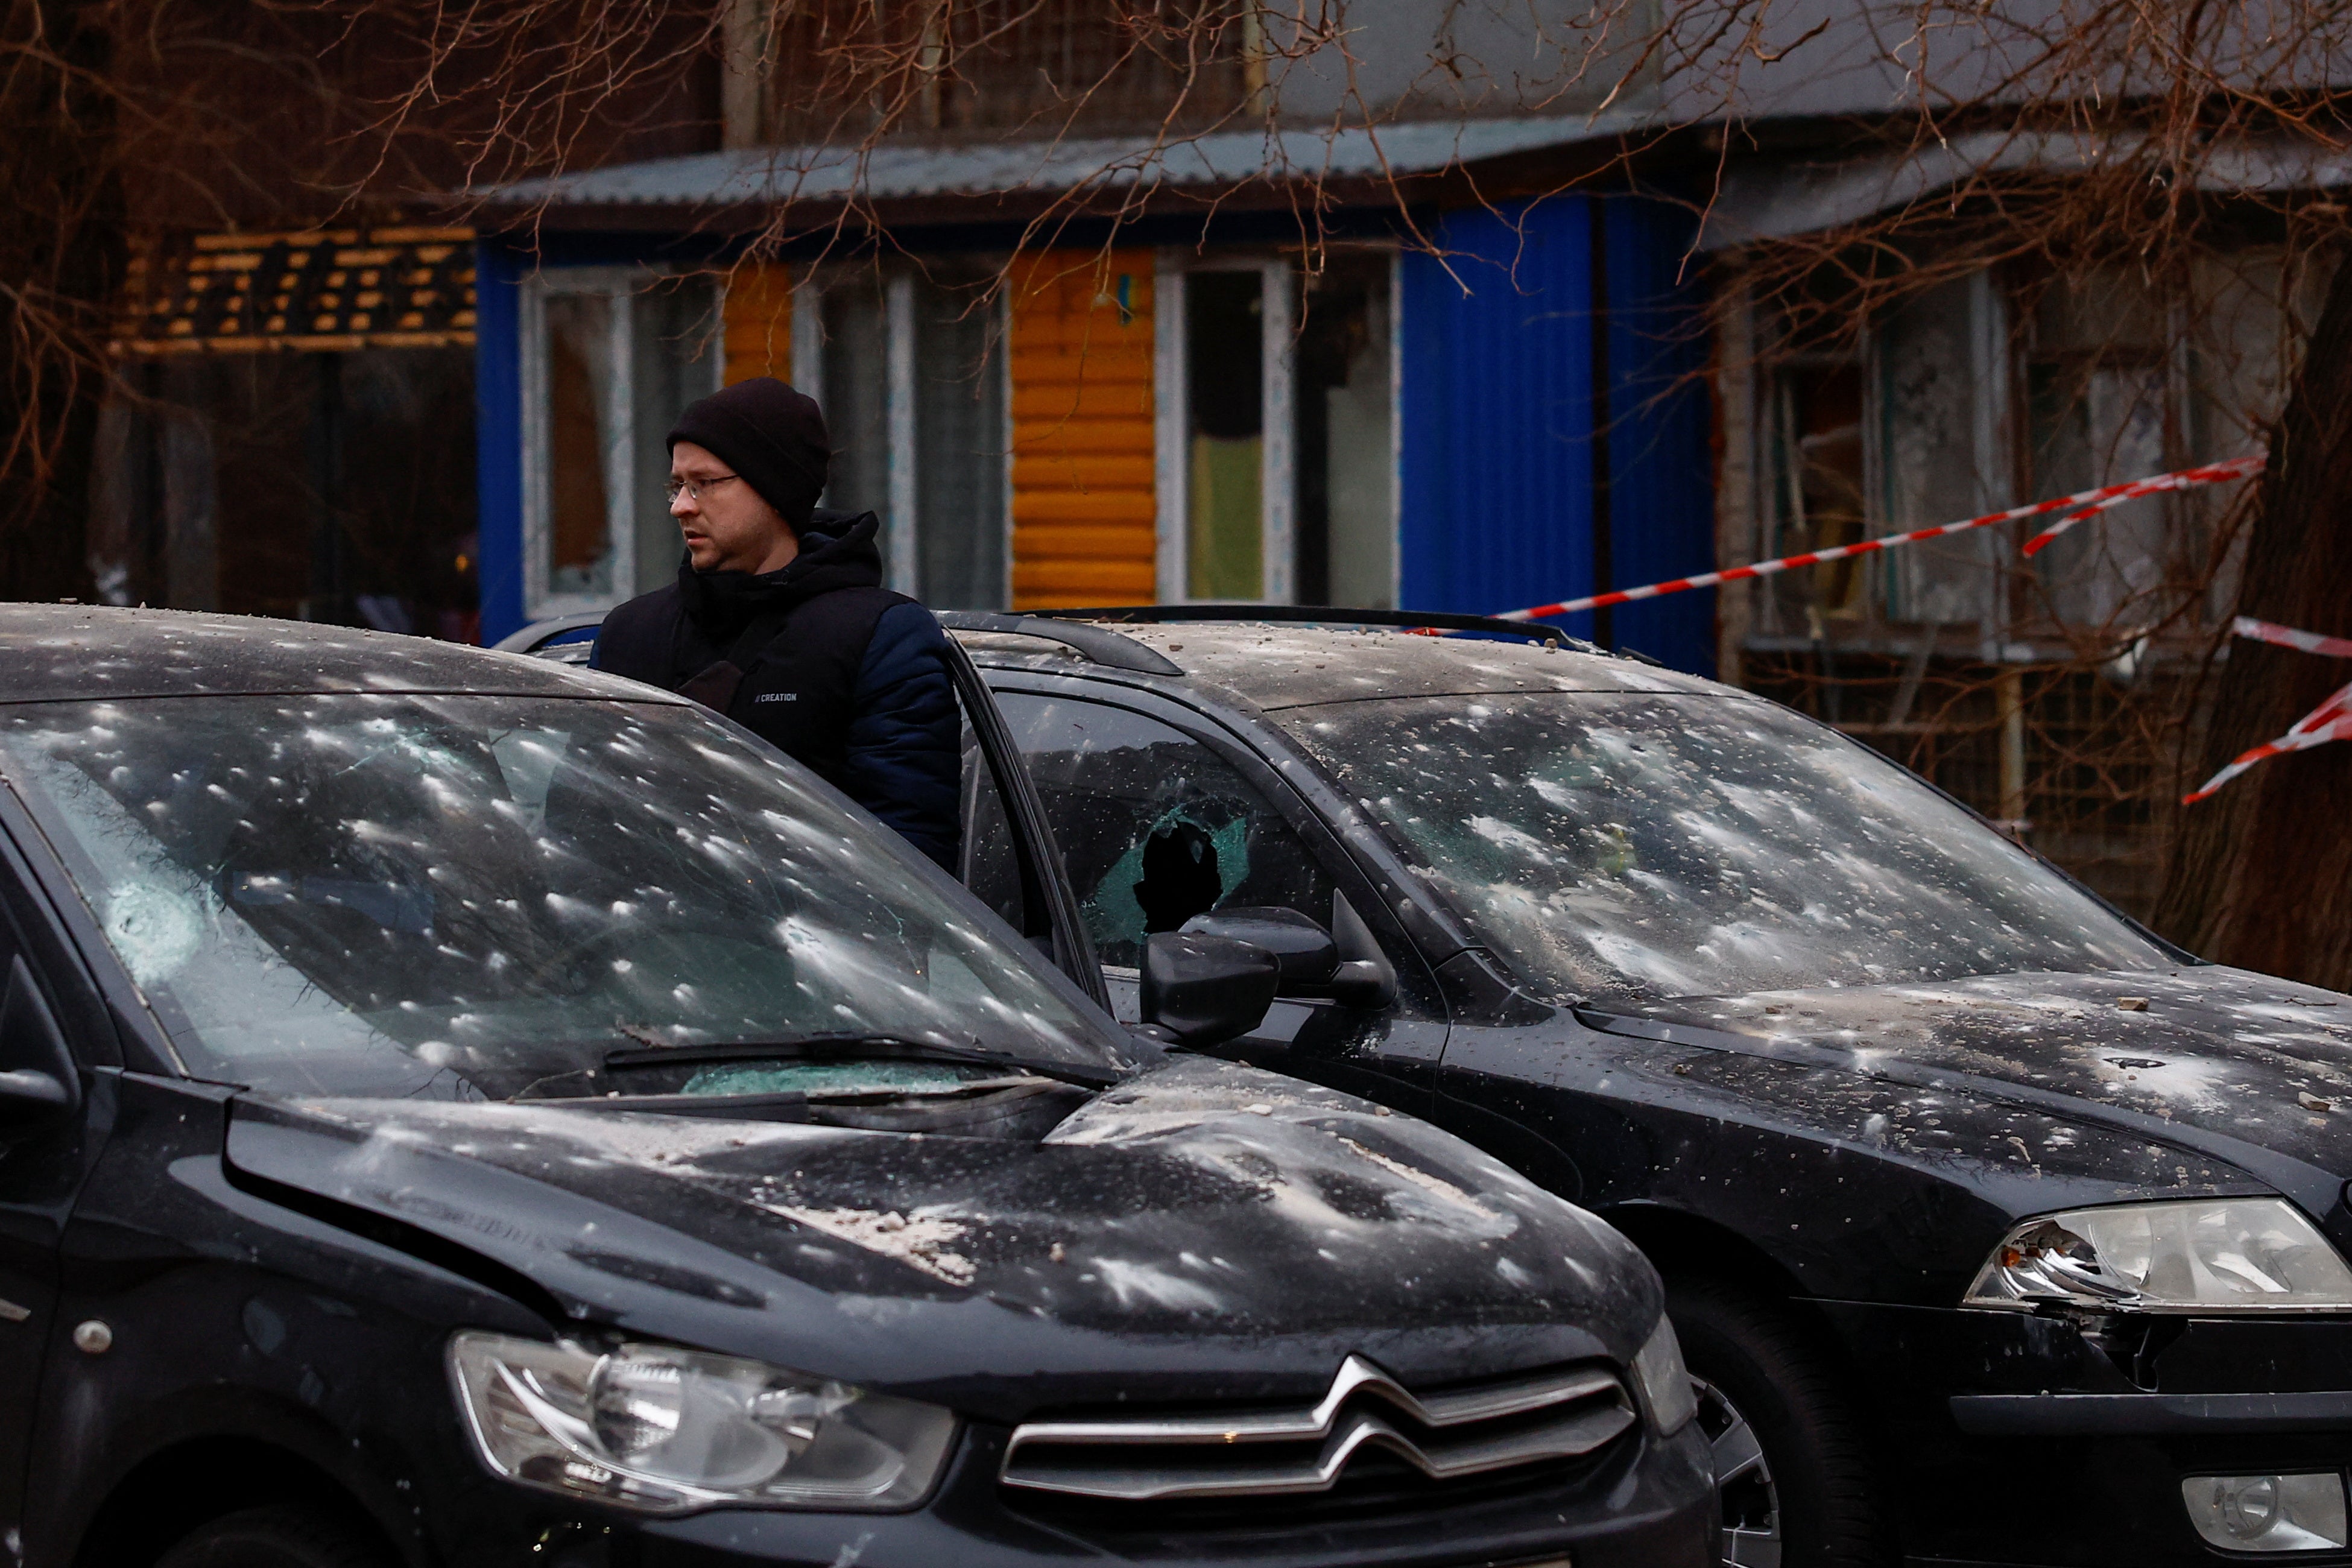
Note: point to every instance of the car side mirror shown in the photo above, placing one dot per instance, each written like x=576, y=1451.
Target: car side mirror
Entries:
x=1201, y=990
x=1303, y=952
x=1345, y=963
x=38, y=1081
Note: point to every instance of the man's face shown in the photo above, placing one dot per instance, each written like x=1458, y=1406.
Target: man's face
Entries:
x=727, y=527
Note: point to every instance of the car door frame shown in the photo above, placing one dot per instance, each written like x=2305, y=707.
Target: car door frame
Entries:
x=1360, y=863
x=1044, y=879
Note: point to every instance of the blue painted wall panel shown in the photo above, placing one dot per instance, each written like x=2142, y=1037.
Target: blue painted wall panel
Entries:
x=1497, y=480
x=1662, y=486
x=497, y=435
x=1497, y=408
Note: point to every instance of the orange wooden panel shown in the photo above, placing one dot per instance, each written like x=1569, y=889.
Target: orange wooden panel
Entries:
x=758, y=323
x=1053, y=444
x=1083, y=507
x=1065, y=542
x=1095, y=506
x=1079, y=469
x=1043, y=407
x=1045, y=583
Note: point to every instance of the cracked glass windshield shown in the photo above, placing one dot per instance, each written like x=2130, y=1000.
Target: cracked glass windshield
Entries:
x=464, y=896
x=1634, y=846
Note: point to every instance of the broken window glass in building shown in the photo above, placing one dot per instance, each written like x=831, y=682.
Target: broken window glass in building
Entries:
x=2049, y=694
x=2098, y=364
x=1817, y=487
x=1941, y=391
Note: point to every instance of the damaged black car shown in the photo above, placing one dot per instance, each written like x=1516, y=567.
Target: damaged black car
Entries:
x=457, y=1110
x=1995, y=1229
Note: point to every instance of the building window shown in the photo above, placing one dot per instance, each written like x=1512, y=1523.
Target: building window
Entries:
x=1941, y=364
x=1899, y=425
x=611, y=358
x=1346, y=521
x=1227, y=370
x=912, y=372
x=2100, y=401
x=1041, y=66
x=1277, y=463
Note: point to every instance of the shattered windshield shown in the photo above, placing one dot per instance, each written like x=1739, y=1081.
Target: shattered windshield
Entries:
x=1634, y=846
x=461, y=895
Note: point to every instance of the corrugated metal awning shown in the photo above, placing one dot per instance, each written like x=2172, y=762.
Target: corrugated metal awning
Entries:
x=1779, y=198
x=316, y=289
x=770, y=176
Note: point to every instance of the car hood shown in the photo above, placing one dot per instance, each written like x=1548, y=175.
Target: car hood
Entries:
x=2246, y=1067
x=1202, y=1228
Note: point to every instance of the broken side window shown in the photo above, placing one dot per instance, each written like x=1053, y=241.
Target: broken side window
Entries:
x=1154, y=826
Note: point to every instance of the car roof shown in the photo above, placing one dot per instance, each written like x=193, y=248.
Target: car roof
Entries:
x=53, y=653
x=1275, y=664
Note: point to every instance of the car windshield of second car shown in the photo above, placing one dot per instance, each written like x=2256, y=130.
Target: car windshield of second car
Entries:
x=467, y=896
x=1654, y=846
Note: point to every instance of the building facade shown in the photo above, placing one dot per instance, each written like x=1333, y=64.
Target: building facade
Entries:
x=1517, y=412
x=1265, y=329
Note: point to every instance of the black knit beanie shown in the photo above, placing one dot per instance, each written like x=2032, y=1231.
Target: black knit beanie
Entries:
x=773, y=437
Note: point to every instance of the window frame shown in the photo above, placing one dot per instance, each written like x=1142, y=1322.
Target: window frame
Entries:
x=901, y=536
x=1278, y=478
x=1171, y=438
x=621, y=286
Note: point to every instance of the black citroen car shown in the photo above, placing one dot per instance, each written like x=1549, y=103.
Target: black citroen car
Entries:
x=1994, y=1228
x=459, y=1109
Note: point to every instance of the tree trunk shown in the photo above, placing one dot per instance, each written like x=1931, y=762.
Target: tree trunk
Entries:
x=2261, y=872
x=60, y=262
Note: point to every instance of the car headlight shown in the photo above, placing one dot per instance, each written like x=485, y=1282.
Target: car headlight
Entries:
x=1665, y=1381
x=2211, y=1255
x=663, y=1430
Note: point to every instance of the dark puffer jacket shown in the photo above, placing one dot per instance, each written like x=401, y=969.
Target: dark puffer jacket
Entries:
x=834, y=669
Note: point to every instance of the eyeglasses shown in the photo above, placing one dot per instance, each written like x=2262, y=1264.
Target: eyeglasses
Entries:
x=694, y=487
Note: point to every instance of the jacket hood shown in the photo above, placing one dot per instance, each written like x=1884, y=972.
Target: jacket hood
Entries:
x=1200, y=1227
x=2244, y=1068
x=838, y=550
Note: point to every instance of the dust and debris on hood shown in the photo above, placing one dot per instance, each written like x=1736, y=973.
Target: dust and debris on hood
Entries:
x=2219, y=1049
x=1199, y=1196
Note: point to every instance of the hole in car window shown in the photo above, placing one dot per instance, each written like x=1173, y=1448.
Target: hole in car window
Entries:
x=1154, y=826
x=1642, y=846
x=461, y=895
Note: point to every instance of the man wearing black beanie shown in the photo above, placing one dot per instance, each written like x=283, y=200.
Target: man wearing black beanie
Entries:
x=779, y=618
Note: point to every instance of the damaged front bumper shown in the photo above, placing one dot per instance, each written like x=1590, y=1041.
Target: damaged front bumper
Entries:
x=2066, y=1440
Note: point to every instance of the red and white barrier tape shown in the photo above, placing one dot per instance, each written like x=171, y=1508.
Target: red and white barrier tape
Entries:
x=2287, y=636
x=2331, y=721
x=2208, y=474
x=2080, y=505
